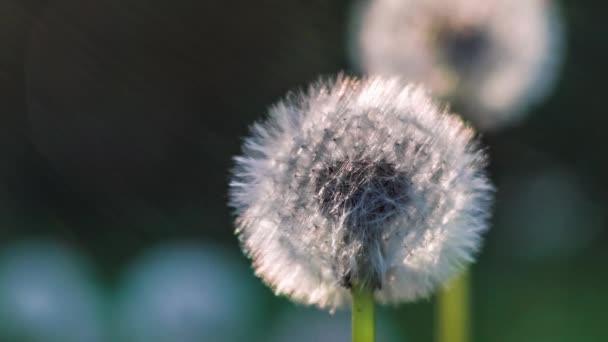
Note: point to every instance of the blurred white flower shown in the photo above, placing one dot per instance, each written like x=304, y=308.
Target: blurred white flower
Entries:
x=47, y=295
x=187, y=292
x=359, y=181
x=492, y=58
x=306, y=325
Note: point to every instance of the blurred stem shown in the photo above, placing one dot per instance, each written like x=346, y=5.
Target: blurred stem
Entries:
x=453, y=310
x=363, y=314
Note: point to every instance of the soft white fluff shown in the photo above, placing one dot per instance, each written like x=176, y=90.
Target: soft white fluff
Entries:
x=493, y=58
x=359, y=181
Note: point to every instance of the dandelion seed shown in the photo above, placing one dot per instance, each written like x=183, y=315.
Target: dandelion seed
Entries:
x=362, y=182
x=493, y=59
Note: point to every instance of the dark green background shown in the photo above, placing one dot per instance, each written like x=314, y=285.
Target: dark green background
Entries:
x=119, y=118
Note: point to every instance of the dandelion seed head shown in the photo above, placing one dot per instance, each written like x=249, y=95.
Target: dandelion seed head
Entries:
x=493, y=59
x=359, y=182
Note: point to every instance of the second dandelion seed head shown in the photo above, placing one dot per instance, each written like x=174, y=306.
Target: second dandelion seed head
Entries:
x=359, y=182
x=493, y=59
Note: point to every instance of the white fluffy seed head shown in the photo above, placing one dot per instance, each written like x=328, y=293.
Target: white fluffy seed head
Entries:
x=359, y=181
x=492, y=58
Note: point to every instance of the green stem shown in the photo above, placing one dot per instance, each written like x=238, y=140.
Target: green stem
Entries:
x=363, y=314
x=453, y=310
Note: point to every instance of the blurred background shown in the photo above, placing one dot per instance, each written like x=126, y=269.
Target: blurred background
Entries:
x=118, y=122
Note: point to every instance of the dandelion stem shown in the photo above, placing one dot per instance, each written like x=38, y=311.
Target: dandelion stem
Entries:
x=453, y=311
x=363, y=314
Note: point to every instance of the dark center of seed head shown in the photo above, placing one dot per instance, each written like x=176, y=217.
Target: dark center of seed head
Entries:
x=365, y=195
x=464, y=47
